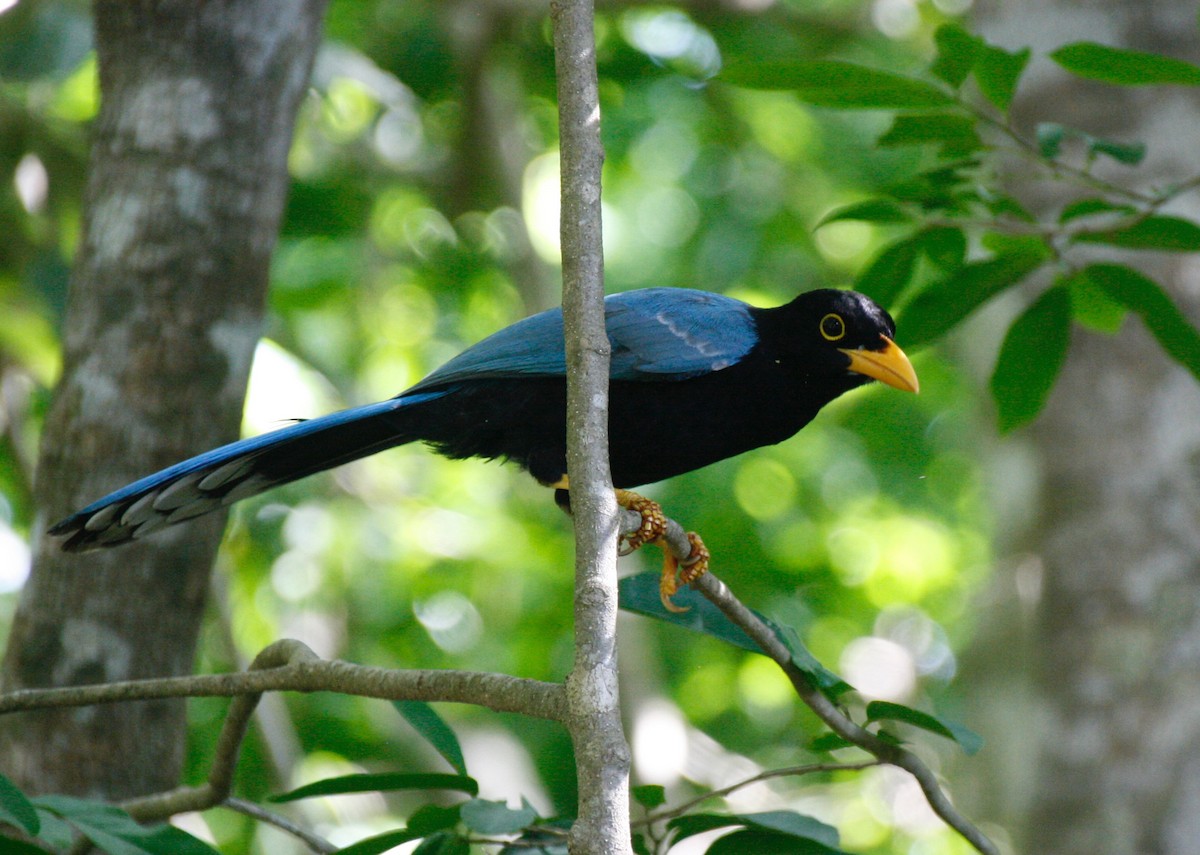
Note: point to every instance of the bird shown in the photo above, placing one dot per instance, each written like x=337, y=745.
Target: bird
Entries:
x=695, y=377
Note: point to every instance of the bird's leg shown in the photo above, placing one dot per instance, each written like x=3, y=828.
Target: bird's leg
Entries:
x=653, y=530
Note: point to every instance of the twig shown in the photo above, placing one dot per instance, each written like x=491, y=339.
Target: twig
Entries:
x=312, y=841
x=498, y=692
x=786, y=772
x=719, y=595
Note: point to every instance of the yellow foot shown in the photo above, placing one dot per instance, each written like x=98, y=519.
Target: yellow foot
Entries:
x=652, y=527
x=652, y=530
x=676, y=572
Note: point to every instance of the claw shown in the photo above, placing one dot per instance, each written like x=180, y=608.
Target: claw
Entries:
x=652, y=527
x=676, y=572
x=652, y=531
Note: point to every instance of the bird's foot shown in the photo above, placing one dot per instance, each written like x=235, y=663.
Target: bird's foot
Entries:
x=676, y=572
x=652, y=527
x=652, y=530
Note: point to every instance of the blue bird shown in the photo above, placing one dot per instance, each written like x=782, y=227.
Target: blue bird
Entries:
x=695, y=378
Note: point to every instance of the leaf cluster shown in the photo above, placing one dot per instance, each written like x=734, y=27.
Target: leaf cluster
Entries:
x=967, y=241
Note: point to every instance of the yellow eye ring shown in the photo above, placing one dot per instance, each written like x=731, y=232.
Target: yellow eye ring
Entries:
x=832, y=327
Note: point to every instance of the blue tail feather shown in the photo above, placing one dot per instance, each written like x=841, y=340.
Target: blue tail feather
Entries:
x=236, y=471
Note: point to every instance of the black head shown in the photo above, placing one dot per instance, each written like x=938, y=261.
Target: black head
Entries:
x=839, y=334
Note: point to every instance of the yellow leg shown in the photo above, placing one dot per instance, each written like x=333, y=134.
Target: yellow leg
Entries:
x=652, y=531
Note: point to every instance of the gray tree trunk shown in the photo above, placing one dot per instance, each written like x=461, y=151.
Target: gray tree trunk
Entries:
x=1101, y=751
x=188, y=177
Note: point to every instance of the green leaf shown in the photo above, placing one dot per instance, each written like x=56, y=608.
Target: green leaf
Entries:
x=17, y=810
x=1124, y=67
x=869, y=210
x=56, y=832
x=443, y=843
x=997, y=72
x=1090, y=207
x=968, y=740
x=793, y=824
x=383, y=782
x=380, y=842
x=650, y=796
x=1146, y=297
x=169, y=840
x=831, y=83
x=957, y=50
x=541, y=839
x=885, y=278
x=1172, y=234
x=1091, y=305
x=954, y=133
x=639, y=594
x=689, y=825
x=433, y=727
x=18, y=847
x=820, y=677
x=753, y=841
x=430, y=818
x=1031, y=357
x=944, y=304
x=1131, y=154
x=1050, y=136
x=828, y=741
x=114, y=831
x=944, y=246
x=487, y=817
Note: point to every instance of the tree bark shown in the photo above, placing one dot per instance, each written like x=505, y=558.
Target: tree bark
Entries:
x=187, y=181
x=593, y=702
x=1113, y=582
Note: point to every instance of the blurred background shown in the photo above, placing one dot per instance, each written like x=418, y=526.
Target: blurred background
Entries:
x=898, y=534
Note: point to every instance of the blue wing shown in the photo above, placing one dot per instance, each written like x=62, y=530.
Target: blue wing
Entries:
x=656, y=334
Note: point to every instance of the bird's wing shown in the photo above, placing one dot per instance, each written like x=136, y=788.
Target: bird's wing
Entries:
x=656, y=334
x=676, y=333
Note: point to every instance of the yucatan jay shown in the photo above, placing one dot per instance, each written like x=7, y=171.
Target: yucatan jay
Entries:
x=695, y=378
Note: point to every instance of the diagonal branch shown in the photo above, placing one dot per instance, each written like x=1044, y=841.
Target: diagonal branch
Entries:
x=719, y=595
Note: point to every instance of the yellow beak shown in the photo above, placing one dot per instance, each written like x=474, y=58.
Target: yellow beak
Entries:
x=889, y=365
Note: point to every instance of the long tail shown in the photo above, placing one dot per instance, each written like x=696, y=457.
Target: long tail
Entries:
x=237, y=471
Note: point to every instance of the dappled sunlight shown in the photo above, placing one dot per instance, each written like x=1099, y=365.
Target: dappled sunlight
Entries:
x=281, y=390
x=879, y=669
x=15, y=560
x=659, y=742
x=424, y=216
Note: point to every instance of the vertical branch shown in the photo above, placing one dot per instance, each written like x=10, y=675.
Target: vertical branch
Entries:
x=602, y=754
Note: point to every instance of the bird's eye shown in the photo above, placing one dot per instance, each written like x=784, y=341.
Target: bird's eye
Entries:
x=833, y=328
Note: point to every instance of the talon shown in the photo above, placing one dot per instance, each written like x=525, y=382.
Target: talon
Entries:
x=696, y=564
x=652, y=530
x=653, y=525
x=676, y=572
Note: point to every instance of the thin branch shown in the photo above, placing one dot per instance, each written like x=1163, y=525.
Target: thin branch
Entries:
x=594, y=716
x=289, y=665
x=786, y=772
x=719, y=595
x=498, y=692
x=312, y=841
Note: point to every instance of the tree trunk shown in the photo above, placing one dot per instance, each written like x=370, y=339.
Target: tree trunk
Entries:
x=187, y=182
x=1114, y=583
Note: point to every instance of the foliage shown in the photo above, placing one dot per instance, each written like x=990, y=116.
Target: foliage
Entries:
x=419, y=222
